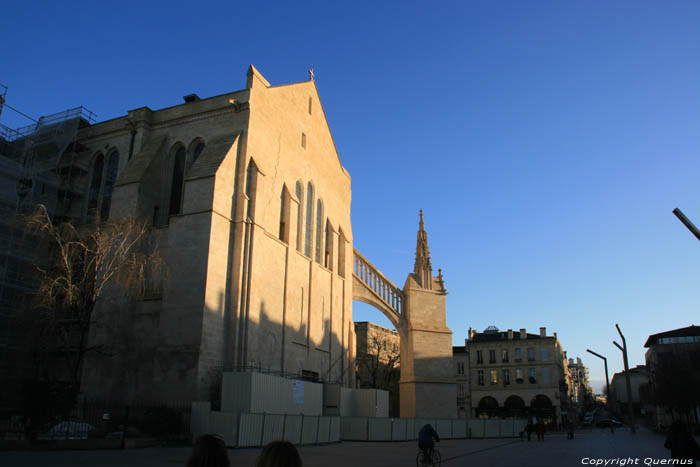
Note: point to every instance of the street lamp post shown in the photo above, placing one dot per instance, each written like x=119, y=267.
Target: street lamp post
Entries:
x=694, y=230
x=623, y=349
x=607, y=381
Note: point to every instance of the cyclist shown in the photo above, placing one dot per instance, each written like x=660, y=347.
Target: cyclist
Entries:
x=425, y=441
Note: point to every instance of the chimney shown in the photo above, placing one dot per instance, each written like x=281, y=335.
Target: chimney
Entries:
x=523, y=334
x=510, y=334
x=190, y=98
x=543, y=332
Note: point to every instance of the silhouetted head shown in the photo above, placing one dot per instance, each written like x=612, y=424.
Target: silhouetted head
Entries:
x=279, y=454
x=678, y=427
x=209, y=451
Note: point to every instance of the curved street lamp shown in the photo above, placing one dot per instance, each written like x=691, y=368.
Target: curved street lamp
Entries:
x=607, y=381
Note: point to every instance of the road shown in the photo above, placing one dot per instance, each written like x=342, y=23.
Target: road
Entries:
x=642, y=448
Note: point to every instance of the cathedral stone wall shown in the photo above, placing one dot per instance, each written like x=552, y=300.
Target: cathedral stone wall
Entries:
x=240, y=288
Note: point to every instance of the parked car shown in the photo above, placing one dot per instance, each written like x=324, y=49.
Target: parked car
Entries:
x=606, y=422
x=68, y=430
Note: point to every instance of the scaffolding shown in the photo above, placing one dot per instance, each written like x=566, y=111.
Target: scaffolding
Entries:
x=40, y=163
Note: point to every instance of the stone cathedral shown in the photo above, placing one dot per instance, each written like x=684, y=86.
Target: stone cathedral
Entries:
x=251, y=207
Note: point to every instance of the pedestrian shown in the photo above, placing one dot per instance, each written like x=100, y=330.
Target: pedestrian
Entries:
x=528, y=430
x=570, y=431
x=209, y=451
x=681, y=443
x=279, y=454
x=540, y=430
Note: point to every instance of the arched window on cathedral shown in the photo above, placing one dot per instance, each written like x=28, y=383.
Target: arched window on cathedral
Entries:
x=178, y=179
x=341, y=253
x=309, y=218
x=95, y=185
x=251, y=179
x=300, y=214
x=284, y=215
x=328, y=257
x=319, y=230
x=110, y=179
x=196, y=148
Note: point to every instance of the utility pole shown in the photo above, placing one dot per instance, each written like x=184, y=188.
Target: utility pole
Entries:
x=627, y=376
x=607, y=381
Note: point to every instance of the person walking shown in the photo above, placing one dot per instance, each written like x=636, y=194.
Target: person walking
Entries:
x=540, y=430
x=681, y=443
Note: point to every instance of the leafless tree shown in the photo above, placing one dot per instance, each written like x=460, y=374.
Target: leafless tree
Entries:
x=77, y=266
x=379, y=367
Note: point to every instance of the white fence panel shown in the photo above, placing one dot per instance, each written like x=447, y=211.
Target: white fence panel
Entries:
x=476, y=428
x=250, y=429
x=398, y=429
x=353, y=428
x=382, y=403
x=309, y=430
x=224, y=425
x=379, y=429
x=199, y=418
x=444, y=428
x=411, y=429
x=235, y=392
x=492, y=428
x=459, y=428
x=292, y=428
x=324, y=428
x=251, y=392
x=507, y=429
x=348, y=403
x=335, y=430
x=273, y=428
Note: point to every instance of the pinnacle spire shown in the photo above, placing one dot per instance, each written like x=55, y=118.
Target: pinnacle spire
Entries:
x=422, y=267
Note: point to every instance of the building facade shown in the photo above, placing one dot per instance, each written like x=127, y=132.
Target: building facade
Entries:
x=250, y=207
x=507, y=374
x=582, y=390
x=673, y=368
x=618, y=390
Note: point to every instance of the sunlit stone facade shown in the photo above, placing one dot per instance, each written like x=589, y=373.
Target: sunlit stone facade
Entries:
x=511, y=374
x=251, y=208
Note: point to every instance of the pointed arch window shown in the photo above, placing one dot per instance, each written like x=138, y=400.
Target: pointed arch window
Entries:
x=284, y=215
x=300, y=214
x=178, y=178
x=309, y=219
x=110, y=180
x=319, y=230
x=328, y=256
x=341, y=253
x=95, y=185
x=250, y=188
x=198, y=149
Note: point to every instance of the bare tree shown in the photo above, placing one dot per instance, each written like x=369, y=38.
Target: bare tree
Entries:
x=77, y=266
x=379, y=367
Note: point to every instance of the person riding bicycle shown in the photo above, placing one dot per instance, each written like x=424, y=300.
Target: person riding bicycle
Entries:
x=425, y=440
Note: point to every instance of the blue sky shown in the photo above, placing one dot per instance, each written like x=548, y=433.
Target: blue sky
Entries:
x=547, y=142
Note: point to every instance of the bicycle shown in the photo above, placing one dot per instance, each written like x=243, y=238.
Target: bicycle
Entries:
x=422, y=458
